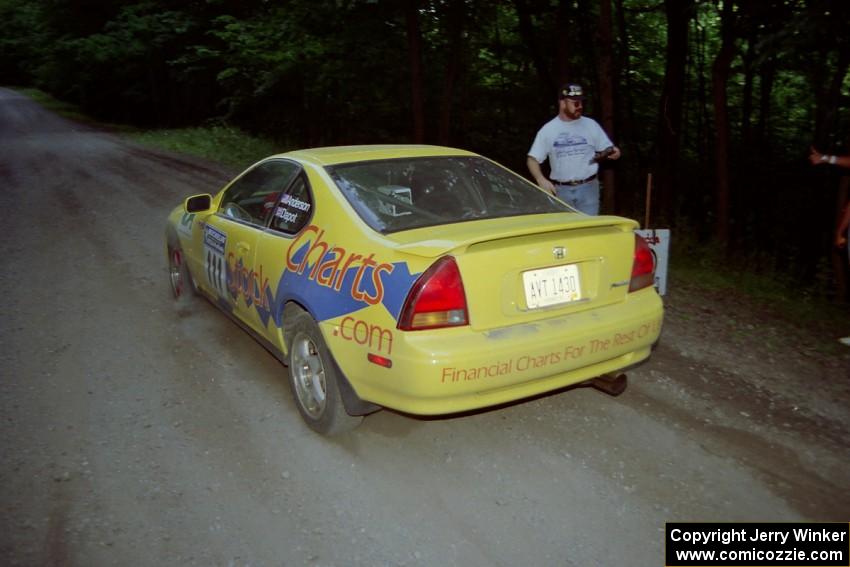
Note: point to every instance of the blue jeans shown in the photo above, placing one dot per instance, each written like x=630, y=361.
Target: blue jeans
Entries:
x=584, y=197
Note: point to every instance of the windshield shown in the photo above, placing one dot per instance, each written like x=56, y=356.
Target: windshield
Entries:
x=401, y=194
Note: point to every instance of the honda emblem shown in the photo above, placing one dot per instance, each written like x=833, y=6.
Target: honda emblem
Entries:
x=559, y=252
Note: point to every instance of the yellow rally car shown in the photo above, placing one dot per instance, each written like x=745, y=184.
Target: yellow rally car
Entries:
x=425, y=279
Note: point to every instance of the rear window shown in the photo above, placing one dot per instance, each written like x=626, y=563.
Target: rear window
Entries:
x=401, y=194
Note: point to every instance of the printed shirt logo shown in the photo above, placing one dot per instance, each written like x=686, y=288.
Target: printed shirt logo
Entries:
x=566, y=145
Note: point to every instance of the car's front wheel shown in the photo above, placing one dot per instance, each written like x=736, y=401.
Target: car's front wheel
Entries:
x=314, y=380
x=182, y=286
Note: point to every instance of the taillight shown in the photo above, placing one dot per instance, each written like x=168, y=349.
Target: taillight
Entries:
x=436, y=299
x=643, y=269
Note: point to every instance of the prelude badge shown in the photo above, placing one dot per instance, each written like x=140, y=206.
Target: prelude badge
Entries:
x=559, y=252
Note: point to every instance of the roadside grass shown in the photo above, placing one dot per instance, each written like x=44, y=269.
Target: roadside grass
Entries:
x=220, y=143
x=216, y=142
x=64, y=109
x=802, y=306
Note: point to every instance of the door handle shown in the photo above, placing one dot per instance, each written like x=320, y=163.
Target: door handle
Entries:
x=243, y=247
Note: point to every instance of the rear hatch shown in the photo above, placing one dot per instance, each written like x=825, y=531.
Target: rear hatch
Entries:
x=529, y=268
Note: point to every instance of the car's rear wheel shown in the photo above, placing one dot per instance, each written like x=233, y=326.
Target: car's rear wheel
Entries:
x=182, y=286
x=314, y=380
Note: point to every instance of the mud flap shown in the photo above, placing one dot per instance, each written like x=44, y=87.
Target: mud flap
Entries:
x=354, y=405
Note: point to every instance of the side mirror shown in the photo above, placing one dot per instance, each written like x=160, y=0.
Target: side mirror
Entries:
x=198, y=203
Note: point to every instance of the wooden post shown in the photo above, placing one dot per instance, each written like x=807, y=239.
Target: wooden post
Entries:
x=648, y=198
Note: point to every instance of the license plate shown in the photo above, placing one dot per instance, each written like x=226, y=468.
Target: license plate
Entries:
x=551, y=286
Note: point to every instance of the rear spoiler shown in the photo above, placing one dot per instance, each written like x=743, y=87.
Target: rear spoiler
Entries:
x=463, y=235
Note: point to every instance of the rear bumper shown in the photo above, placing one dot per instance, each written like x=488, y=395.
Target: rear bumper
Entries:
x=455, y=370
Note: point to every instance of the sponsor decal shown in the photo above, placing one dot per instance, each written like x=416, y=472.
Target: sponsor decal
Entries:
x=214, y=239
x=377, y=338
x=287, y=216
x=329, y=280
x=524, y=363
x=451, y=374
x=248, y=283
x=335, y=281
x=214, y=262
x=184, y=227
x=331, y=263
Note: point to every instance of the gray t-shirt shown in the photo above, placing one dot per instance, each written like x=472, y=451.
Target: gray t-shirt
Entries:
x=569, y=146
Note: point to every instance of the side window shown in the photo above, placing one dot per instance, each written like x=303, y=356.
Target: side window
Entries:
x=252, y=197
x=293, y=211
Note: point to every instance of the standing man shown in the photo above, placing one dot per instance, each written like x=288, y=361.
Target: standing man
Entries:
x=574, y=145
x=842, y=233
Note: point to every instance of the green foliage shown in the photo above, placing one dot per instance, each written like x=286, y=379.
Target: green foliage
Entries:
x=223, y=144
x=62, y=108
x=339, y=72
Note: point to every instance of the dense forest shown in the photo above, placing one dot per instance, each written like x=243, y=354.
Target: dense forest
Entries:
x=720, y=100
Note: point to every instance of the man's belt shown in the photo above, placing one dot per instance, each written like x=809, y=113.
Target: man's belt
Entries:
x=574, y=182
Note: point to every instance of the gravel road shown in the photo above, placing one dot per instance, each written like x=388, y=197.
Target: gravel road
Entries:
x=133, y=434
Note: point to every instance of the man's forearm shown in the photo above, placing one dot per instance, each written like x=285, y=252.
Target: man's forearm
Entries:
x=534, y=169
x=537, y=173
x=844, y=222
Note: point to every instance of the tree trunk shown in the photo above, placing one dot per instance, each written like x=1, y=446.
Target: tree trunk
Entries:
x=454, y=58
x=768, y=75
x=606, y=96
x=628, y=122
x=829, y=98
x=747, y=95
x=839, y=255
x=414, y=42
x=670, y=110
x=563, y=49
x=719, y=78
x=547, y=85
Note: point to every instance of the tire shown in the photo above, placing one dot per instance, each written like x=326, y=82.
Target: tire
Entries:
x=182, y=285
x=313, y=378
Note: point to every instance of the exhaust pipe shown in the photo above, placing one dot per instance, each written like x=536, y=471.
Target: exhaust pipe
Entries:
x=611, y=385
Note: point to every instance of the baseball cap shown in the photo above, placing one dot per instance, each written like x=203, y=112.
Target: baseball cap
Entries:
x=571, y=90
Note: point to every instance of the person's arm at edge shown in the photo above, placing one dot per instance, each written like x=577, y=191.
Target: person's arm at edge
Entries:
x=841, y=231
x=817, y=158
x=537, y=174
